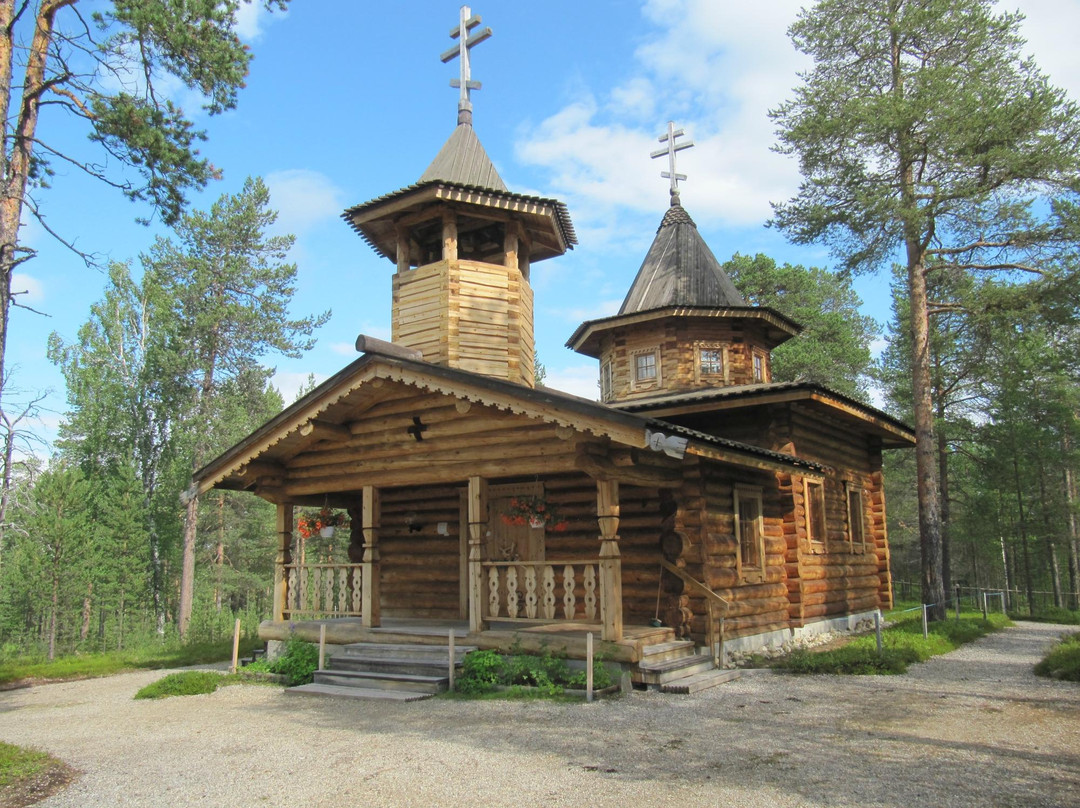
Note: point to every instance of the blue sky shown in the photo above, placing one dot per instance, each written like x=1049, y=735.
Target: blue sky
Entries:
x=347, y=101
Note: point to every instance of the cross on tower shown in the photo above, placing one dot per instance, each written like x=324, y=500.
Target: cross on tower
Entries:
x=669, y=138
x=465, y=42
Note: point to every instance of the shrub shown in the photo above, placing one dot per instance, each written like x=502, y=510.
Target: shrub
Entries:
x=1063, y=660
x=481, y=671
x=185, y=683
x=601, y=676
x=298, y=664
x=1052, y=614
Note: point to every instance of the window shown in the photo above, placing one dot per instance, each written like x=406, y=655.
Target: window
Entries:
x=815, y=511
x=645, y=367
x=749, y=535
x=856, y=525
x=712, y=361
x=760, y=369
x=605, y=381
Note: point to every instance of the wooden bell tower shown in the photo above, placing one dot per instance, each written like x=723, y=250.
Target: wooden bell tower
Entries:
x=463, y=245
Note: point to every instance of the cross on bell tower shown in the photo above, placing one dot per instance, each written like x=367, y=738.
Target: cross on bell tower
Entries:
x=460, y=32
x=669, y=137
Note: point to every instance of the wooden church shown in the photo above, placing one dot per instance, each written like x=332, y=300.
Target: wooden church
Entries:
x=698, y=505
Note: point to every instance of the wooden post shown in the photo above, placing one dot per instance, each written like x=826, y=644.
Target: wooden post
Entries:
x=958, y=601
x=588, y=667
x=235, y=647
x=284, y=556
x=607, y=517
x=402, y=234
x=449, y=235
x=371, y=614
x=925, y=630
x=877, y=630
x=511, y=242
x=322, y=646
x=478, y=519
x=450, y=682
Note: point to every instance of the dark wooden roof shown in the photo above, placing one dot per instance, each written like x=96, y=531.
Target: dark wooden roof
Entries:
x=463, y=161
x=680, y=270
x=894, y=432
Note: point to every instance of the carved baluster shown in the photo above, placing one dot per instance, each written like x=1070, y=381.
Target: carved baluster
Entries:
x=590, y=592
x=493, y=592
x=343, y=591
x=328, y=590
x=569, y=599
x=313, y=589
x=512, y=605
x=357, y=591
x=292, y=591
x=530, y=592
x=549, y=592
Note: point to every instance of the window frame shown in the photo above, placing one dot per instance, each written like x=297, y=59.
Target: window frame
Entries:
x=654, y=380
x=816, y=516
x=749, y=573
x=853, y=494
x=699, y=363
x=607, y=378
x=755, y=355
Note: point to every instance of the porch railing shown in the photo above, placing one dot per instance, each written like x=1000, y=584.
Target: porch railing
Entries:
x=323, y=590
x=542, y=590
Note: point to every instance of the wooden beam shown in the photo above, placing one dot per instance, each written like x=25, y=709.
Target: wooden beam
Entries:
x=607, y=517
x=478, y=520
x=371, y=613
x=284, y=524
x=322, y=430
x=603, y=468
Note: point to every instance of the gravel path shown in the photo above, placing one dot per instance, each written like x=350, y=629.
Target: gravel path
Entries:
x=972, y=728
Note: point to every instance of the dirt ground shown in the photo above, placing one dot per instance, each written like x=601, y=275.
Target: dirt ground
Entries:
x=972, y=728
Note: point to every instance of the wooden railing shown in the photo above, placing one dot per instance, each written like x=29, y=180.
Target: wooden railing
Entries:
x=712, y=602
x=542, y=590
x=322, y=590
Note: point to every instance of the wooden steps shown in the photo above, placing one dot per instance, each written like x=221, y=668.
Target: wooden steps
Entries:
x=676, y=666
x=394, y=671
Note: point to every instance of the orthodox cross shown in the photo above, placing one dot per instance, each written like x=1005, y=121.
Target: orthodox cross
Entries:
x=465, y=42
x=669, y=137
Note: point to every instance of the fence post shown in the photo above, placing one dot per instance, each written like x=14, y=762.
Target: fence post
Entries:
x=235, y=646
x=877, y=629
x=984, y=605
x=925, y=629
x=450, y=685
x=588, y=667
x=958, y=601
x=322, y=645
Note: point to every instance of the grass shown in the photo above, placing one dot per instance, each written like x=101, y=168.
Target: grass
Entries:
x=1063, y=660
x=18, y=763
x=85, y=666
x=28, y=776
x=1065, y=617
x=902, y=645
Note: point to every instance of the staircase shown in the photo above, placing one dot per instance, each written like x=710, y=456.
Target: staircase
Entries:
x=676, y=666
x=390, y=672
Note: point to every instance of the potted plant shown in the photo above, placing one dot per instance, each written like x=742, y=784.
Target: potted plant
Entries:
x=535, y=512
x=322, y=522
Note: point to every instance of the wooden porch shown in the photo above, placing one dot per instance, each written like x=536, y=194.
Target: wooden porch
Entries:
x=564, y=637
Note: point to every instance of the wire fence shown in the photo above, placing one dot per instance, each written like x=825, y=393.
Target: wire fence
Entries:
x=971, y=597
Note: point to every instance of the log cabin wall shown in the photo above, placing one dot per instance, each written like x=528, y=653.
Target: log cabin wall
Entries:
x=469, y=315
x=679, y=342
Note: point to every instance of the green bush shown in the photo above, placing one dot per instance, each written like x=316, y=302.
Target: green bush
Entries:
x=1063, y=660
x=1053, y=614
x=298, y=664
x=185, y=683
x=481, y=671
x=601, y=677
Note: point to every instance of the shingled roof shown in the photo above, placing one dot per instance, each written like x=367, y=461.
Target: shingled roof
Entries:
x=463, y=161
x=680, y=270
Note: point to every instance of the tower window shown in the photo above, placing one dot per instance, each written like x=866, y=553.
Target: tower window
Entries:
x=760, y=368
x=645, y=367
x=605, y=381
x=711, y=361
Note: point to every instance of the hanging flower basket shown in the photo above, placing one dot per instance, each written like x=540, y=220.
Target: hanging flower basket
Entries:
x=322, y=522
x=536, y=512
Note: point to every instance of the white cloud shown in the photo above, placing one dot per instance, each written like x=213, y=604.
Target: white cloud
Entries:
x=35, y=292
x=578, y=380
x=878, y=346
x=251, y=16
x=303, y=199
x=289, y=383
x=343, y=348
x=1050, y=28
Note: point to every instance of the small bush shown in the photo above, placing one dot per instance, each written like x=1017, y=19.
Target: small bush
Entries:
x=601, y=677
x=298, y=664
x=481, y=671
x=548, y=673
x=185, y=683
x=1063, y=660
x=1051, y=615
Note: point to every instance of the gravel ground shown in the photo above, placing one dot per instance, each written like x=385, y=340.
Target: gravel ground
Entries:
x=972, y=728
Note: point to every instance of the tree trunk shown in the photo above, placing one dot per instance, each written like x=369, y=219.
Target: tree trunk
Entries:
x=87, y=610
x=933, y=585
x=219, y=555
x=1048, y=534
x=1071, y=521
x=52, y=617
x=1005, y=566
x=187, y=570
x=1029, y=583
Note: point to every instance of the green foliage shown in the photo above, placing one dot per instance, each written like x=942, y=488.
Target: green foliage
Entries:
x=18, y=763
x=902, y=645
x=548, y=673
x=298, y=663
x=151, y=656
x=1063, y=660
x=184, y=683
x=834, y=346
x=1064, y=617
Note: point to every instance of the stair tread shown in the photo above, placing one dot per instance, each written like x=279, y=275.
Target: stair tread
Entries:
x=665, y=647
x=356, y=647
x=700, y=681
x=369, y=693
x=389, y=675
x=678, y=663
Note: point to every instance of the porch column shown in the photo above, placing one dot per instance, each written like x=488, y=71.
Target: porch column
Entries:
x=607, y=517
x=371, y=614
x=478, y=519
x=284, y=528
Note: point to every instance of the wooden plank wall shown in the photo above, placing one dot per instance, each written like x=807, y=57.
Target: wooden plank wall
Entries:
x=469, y=315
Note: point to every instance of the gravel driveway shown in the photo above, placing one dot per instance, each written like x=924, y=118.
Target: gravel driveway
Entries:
x=974, y=728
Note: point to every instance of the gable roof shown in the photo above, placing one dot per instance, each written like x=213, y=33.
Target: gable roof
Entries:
x=680, y=270
x=290, y=429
